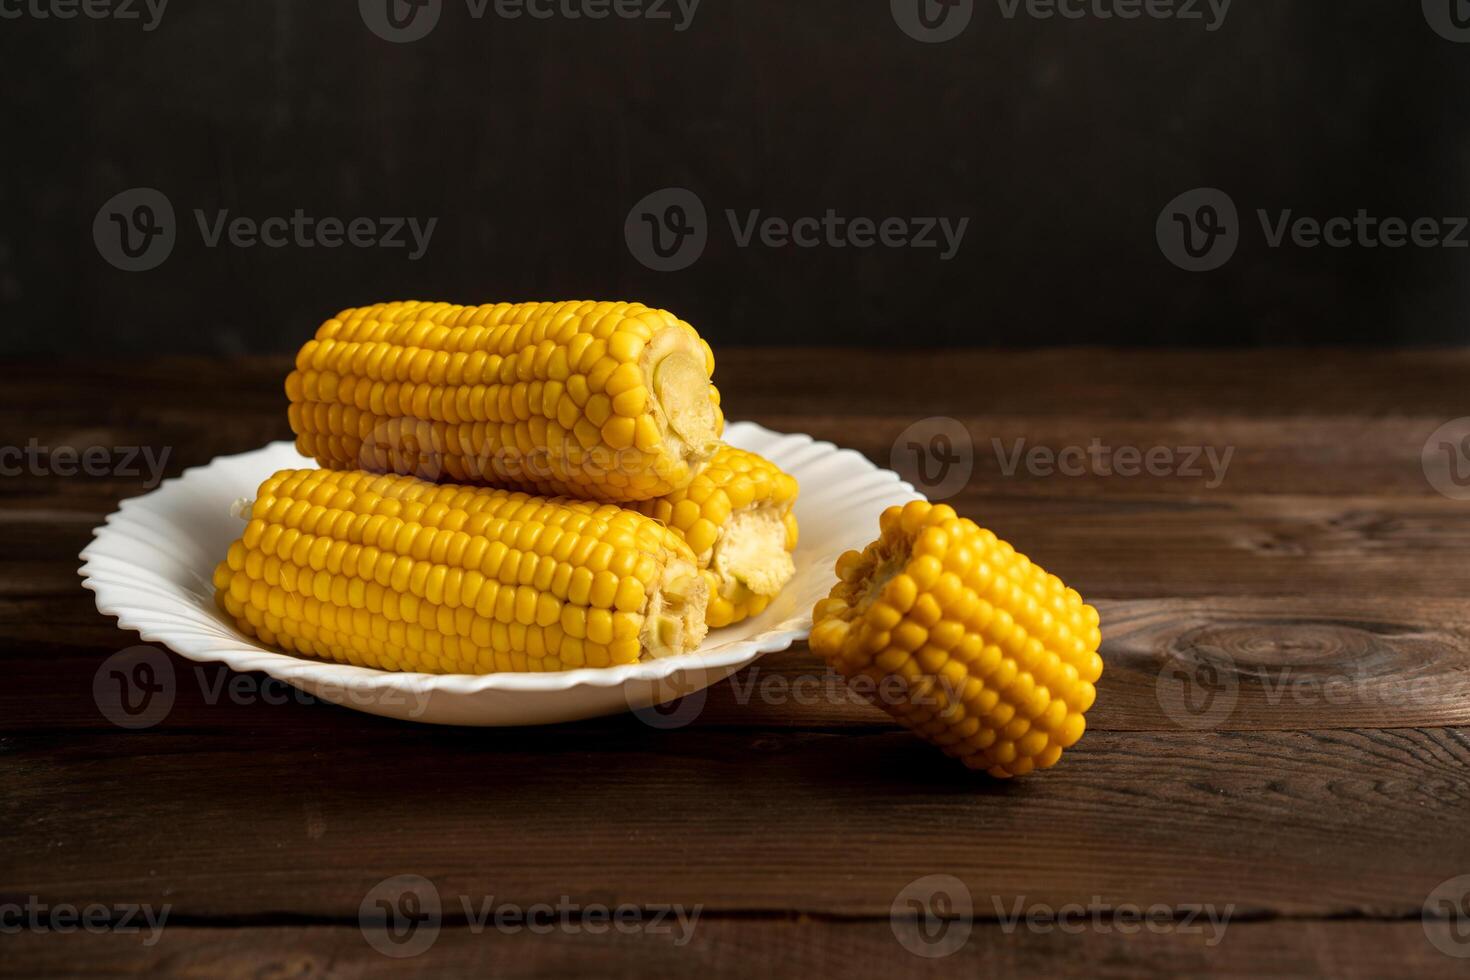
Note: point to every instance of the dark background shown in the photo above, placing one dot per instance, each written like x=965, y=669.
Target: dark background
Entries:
x=530, y=141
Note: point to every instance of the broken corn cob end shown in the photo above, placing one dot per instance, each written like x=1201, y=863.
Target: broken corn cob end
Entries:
x=995, y=658
x=737, y=517
x=394, y=573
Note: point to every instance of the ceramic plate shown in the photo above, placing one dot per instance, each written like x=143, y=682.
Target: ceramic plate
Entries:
x=151, y=562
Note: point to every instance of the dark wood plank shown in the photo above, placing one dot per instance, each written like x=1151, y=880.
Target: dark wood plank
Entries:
x=1407, y=547
x=1203, y=456
x=1197, y=456
x=1296, y=422
x=1293, y=423
x=1285, y=663
x=1345, y=823
x=1224, y=664
x=1099, y=382
x=742, y=948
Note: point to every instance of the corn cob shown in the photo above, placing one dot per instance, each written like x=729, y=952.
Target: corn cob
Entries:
x=398, y=574
x=604, y=401
x=736, y=516
x=995, y=659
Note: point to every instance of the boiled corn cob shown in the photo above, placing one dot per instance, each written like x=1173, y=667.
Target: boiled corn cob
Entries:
x=399, y=574
x=604, y=401
x=736, y=516
x=996, y=659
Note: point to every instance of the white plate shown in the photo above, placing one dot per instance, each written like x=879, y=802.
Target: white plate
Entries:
x=152, y=561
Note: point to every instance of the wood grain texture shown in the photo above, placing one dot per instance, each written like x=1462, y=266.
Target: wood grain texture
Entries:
x=1317, y=824
x=1214, y=664
x=742, y=948
x=1305, y=546
x=1283, y=724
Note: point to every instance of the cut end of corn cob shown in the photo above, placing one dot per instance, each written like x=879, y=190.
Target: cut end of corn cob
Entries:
x=995, y=658
x=604, y=401
x=395, y=573
x=674, y=620
x=737, y=517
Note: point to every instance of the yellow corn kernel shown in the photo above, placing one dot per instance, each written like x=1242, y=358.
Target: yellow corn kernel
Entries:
x=736, y=516
x=997, y=659
x=396, y=573
x=602, y=401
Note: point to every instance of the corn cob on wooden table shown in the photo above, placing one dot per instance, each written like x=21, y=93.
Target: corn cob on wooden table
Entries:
x=1281, y=735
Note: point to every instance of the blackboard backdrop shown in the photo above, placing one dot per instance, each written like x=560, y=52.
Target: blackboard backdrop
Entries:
x=529, y=142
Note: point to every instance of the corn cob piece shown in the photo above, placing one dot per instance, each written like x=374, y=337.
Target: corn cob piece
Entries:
x=736, y=516
x=399, y=574
x=995, y=659
x=604, y=401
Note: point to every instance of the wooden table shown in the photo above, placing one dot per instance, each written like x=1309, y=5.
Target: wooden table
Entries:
x=1320, y=589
